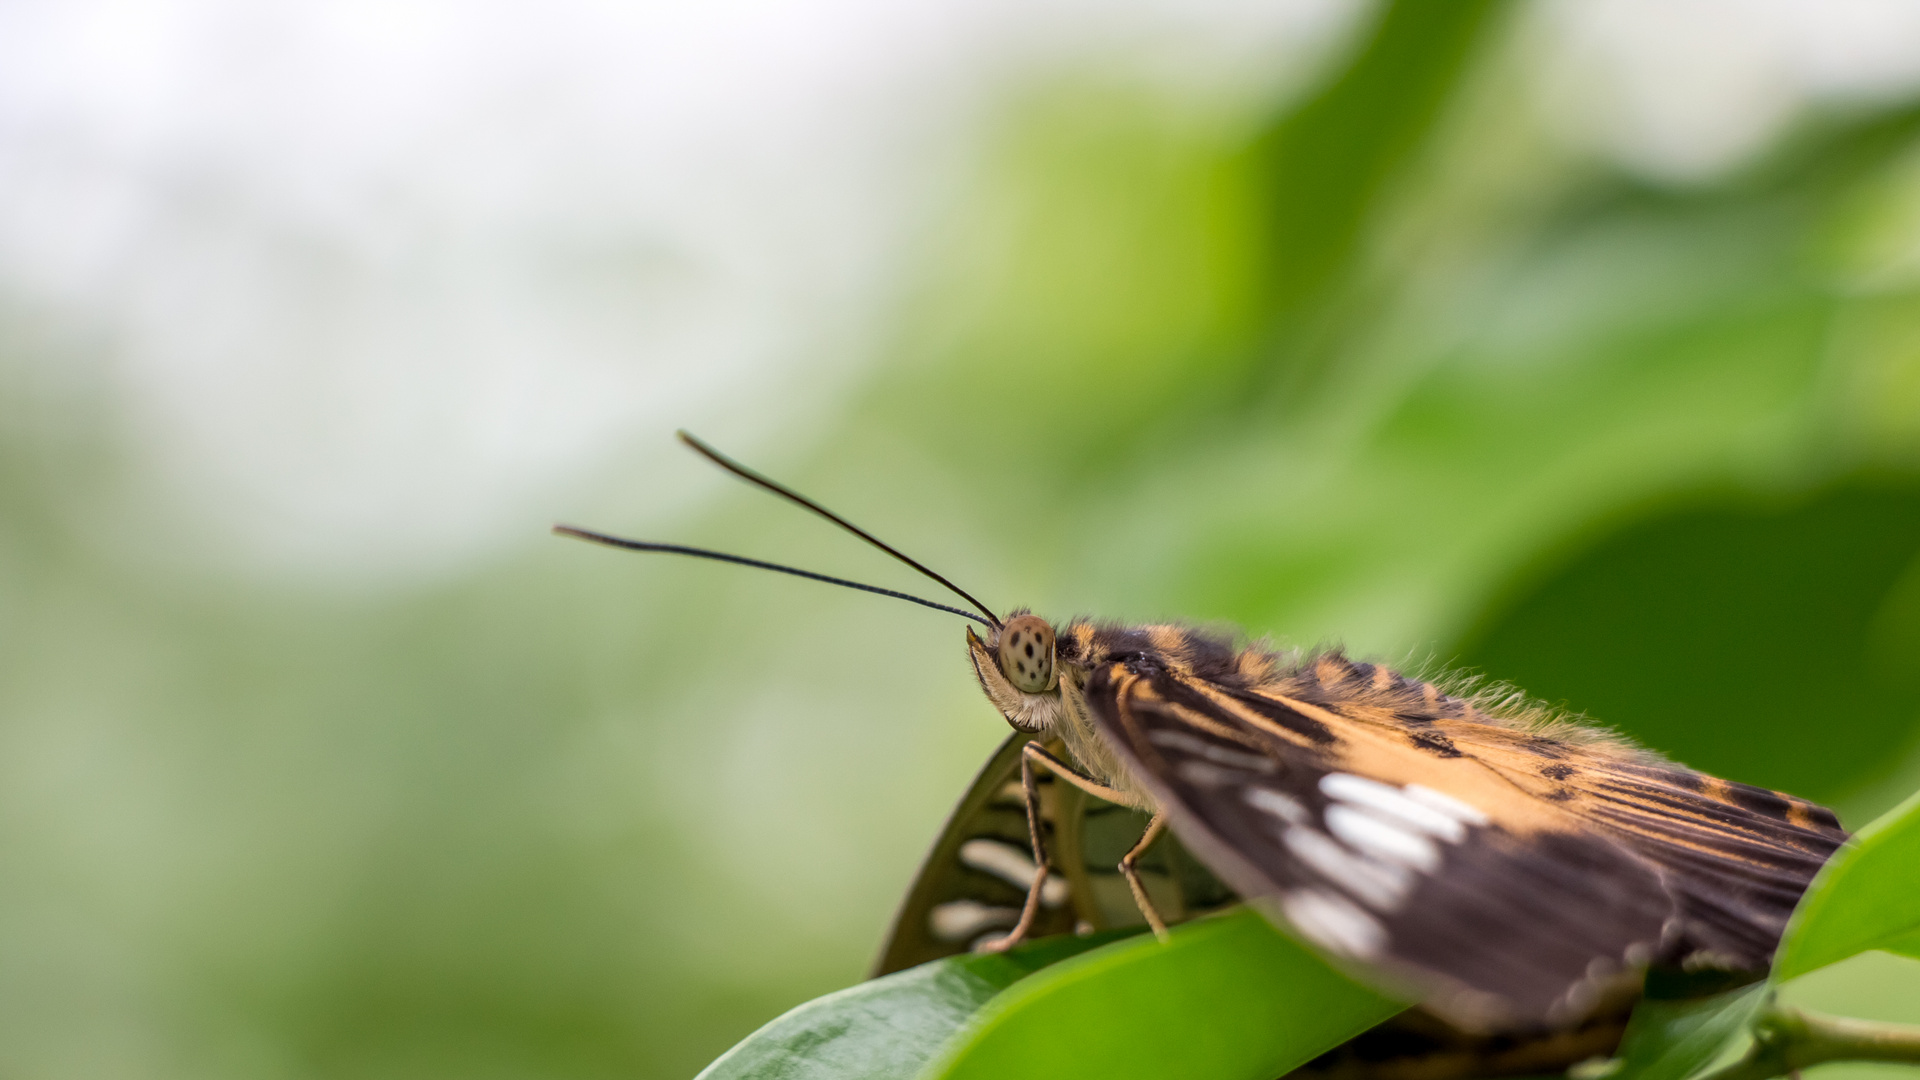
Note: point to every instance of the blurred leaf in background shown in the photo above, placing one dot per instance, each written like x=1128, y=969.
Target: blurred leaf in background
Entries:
x=1375, y=348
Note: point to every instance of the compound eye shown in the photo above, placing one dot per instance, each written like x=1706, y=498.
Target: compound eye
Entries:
x=1026, y=653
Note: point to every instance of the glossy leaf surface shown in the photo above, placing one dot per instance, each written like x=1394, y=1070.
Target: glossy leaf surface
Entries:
x=1867, y=898
x=1228, y=998
x=1671, y=1040
x=887, y=1027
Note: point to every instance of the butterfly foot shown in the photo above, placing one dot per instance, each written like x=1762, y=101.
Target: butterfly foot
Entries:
x=997, y=945
x=1027, y=912
x=1139, y=888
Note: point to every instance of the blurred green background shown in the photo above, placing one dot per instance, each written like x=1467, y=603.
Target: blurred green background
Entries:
x=1361, y=347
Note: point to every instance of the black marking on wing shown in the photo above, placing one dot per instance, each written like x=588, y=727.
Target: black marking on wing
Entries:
x=1544, y=747
x=1291, y=719
x=1435, y=744
x=1149, y=666
x=1496, y=930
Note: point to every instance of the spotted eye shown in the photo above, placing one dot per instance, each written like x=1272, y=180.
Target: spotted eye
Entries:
x=1026, y=653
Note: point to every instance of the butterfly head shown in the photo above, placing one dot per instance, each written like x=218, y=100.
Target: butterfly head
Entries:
x=1018, y=667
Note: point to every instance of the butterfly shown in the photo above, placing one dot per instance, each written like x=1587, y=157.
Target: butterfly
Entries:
x=970, y=889
x=1510, y=869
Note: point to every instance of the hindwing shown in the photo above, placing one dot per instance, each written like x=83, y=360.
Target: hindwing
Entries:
x=1508, y=876
x=974, y=878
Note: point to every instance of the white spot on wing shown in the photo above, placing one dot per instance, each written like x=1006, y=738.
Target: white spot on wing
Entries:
x=958, y=920
x=1370, y=835
x=1397, y=806
x=1333, y=923
x=1379, y=885
x=1284, y=807
x=1580, y=998
x=1013, y=866
x=1201, y=774
x=1446, y=804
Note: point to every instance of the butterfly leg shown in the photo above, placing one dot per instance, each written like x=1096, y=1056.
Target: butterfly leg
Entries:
x=1030, y=788
x=1037, y=754
x=1034, y=754
x=1140, y=898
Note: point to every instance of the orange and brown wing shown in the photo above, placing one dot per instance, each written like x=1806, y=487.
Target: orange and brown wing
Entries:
x=1503, y=899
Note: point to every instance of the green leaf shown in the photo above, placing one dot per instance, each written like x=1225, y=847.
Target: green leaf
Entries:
x=1697, y=678
x=1227, y=998
x=1329, y=161
x=889, y=1027
x=1905, y=945
x=1671, y=1040
x=1867, y=897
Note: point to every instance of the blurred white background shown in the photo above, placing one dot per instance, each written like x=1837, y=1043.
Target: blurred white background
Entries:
x=378, y=285
x=378, y=282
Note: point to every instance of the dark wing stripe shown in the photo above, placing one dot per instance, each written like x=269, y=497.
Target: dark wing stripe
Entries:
x=1782, y=831
x=1759, y=800
x=1283, y=714
x=1229, y=726
x=1762, y=802
x=1818, y=818
x=1790, y=874
x=1683, y=836
x=1731, y=830
x=1251, y=709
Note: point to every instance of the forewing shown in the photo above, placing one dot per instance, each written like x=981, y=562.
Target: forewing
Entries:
x=1498, y=908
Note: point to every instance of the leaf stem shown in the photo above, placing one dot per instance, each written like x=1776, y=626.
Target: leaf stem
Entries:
x=1787, y=1040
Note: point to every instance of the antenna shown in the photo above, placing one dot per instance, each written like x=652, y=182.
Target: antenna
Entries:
x=721, y=556
x=798, y=499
